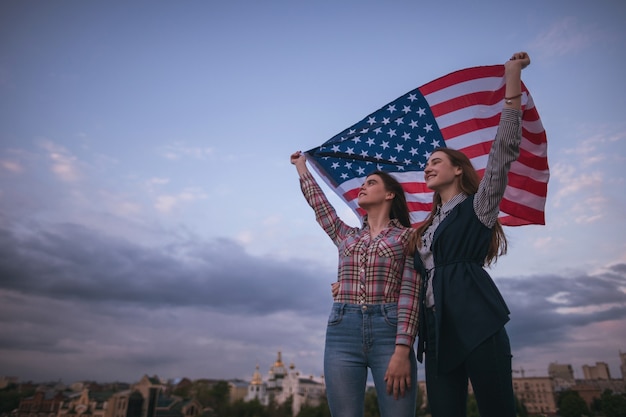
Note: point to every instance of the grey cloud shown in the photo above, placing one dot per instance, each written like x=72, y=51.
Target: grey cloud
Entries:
x=70, y=261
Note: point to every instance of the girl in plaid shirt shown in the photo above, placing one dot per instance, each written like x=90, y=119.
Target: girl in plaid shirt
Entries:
x=373, y=321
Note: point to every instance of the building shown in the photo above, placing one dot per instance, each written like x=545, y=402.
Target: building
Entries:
x=536, y=394
x=282, y=385
x=599, y=371
x=562, y=376
x=622, y=366
x=44, y=403
x=85, y=404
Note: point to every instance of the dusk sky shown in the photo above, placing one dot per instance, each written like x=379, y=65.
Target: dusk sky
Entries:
x=150, y=220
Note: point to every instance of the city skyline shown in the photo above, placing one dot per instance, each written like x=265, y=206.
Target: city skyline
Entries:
x=150, y=220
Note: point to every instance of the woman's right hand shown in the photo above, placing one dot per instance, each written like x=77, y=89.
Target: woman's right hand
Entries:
x=334, y=289
x=299, y=160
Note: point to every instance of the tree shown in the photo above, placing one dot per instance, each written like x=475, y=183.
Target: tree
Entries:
x=613, y=405
x=571, y=404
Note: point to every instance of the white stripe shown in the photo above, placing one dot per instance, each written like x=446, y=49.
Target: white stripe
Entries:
x=526, y=171
x=524, y=198
x=464, y=88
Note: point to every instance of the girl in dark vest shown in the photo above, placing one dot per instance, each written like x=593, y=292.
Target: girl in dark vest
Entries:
x=462, y=313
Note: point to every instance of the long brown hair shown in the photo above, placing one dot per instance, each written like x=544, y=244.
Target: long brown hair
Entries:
x=399, y=209
x=469, y=185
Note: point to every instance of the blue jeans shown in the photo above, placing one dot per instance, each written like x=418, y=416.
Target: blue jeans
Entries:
x=359, y=337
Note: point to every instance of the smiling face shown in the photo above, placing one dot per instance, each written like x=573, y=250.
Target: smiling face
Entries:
x=440, y=173
x=373, y=192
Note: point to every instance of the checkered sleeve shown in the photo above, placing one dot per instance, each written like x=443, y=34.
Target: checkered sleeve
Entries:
x=408, y=302
x=325, y=213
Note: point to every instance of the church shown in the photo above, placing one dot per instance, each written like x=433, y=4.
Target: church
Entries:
x=282, y=384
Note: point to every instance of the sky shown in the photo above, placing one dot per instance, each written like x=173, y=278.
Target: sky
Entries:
x=150, y=220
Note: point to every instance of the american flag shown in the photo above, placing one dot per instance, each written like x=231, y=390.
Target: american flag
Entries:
x=460, y=110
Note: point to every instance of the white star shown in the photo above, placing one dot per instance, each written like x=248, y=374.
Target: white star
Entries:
x=356, y=139
x=413, y=124
x=421, y=139
x=399, y=121
x=335, y=148
x=378, y=156
x=421, y=111
x=412, y=97
x=352, y=132
x=399, y=147
x=428, y=127
x=360, y=170
x=385, y=144
x=350, y=151
x=379, y=167
x=364, y=153
x=393, y=159
x=406, y=109
x=344, y=176
x=406, y=136
x=400, y=168
x=407, y=162
x=364, y=130
x=426, y=155
x=371, y=142
x=378, y=130
x=386, y=120
x=371, y=120
x=391, y=108
x=335, y=165
x=422, y=164
x=434, y=143
x=391, y=133
x=413, y=151
x=348, y=165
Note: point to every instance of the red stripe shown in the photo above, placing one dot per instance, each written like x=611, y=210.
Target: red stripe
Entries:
x=533, y=161
x=468, y=126
x=480, y=98
x=525, y=183
x=462, y=76
x=415, y=206
x=522, y=212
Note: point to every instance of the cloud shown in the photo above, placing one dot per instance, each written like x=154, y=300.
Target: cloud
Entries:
x=63, y=163
x=180, y=150
x=564, y=37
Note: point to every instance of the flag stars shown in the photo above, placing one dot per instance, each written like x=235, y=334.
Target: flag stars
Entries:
x=399, y=148
x=371, y=142
x=391, y=133
x=378, y=156
x=384, y=144
x=413, y=124
x=356, y=139
x=428, y=127
x=348, y=165
x=364, y=153
x=421, y=111
x=335, y=148
x=350, y=151
x=360, y=171
x=393, y=159
x=335, y=165
x=378, y=130
x=344, y=176
x=414, y=151
x=412, y=97
x=391, y=108
x=364, y=130
x=406, y=109
x=399, y=121
x=371, y=121
x=386, y=121
x=421, y=139
x=434, y=143
x=406, y=136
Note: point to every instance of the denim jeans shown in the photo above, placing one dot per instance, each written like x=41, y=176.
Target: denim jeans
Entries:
x=359, y=337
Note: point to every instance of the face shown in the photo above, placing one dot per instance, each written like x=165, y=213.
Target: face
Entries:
x=440, y=173
x=373, y=192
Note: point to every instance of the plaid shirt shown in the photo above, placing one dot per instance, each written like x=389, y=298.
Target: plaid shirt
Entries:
x=371, y=271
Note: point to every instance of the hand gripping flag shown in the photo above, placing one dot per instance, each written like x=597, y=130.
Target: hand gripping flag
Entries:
x=460, y=110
